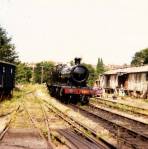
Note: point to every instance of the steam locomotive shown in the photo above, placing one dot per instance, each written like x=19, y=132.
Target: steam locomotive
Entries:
x=69, y=83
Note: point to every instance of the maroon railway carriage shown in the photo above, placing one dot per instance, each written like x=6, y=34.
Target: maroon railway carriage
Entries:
x=7, y=79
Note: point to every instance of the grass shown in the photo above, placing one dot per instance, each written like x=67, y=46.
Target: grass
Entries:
x=21, y=120
x=8, y=105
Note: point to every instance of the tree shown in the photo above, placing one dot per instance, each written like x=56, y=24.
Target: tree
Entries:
x=23, y=73
x=140, y=58
x=100, y=66
x=42, y=71
x=92, y=74
x=7, y=49
x=72, y=63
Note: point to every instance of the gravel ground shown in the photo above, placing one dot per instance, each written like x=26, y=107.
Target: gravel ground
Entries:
x=22, y=133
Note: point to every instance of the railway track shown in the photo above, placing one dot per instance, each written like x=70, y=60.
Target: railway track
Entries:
x=137, y=126
x=82, y=129
x=11, y=115
x=35, y=124
x=125, y=134
x=19, y=138
x=128, y=131
x=142, y=112
x=70, y=137
x=7, y=124
x=73, y=137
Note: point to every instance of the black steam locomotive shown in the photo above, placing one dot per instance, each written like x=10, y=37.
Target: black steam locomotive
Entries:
x=7, y=79
x=69, y=83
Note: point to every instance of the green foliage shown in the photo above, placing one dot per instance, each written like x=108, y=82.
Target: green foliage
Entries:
x=72, y=63
x=7, y=49
x=47, y=66
x=140, y=58
x=92, y=74
x=23, y=73
x=100, y=66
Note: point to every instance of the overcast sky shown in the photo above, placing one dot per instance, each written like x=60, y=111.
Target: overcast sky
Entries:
x=59, y=30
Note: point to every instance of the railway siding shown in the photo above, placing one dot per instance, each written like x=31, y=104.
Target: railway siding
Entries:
x=137, y=103
x=135, y=118
x=131, y=134
x=122, y=120
x=124, y=135
x=123, y=106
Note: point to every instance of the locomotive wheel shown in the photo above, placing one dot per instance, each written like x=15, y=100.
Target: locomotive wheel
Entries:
x=74, y=99
x=61, y=95
x=67, y=99
x=84, y=100
x=51, y=91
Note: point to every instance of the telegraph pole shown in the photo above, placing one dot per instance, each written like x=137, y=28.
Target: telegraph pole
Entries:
x=42, y=74
x=33, y=68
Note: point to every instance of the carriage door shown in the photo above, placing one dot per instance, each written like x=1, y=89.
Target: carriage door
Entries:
x=1, y=76
x=8, y=79
x=108, y=81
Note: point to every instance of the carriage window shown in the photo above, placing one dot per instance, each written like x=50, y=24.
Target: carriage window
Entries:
x=147, y=77
x=11, y=70
x=1, y=76
x=3, y=69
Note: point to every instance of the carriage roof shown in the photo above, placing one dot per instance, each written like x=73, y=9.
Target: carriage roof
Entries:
x=7, y=63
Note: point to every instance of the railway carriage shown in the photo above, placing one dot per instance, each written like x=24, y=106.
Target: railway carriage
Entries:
x=7, y=78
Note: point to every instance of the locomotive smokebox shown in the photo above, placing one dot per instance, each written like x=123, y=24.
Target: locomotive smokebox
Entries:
x=77, y=61
x=79, y=74
x=76, y=75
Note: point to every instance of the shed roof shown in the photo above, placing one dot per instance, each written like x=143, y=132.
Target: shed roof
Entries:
x=128, y=70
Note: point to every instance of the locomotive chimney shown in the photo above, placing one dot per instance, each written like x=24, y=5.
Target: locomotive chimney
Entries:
x=77, y=61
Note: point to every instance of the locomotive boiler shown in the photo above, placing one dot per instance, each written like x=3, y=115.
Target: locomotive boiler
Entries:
x=69, y=83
